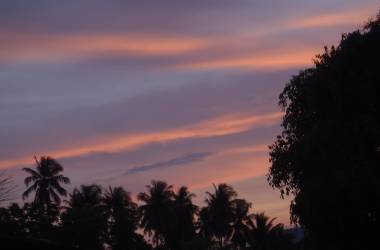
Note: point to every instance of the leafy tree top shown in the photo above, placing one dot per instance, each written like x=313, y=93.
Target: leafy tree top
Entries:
x=327, y=155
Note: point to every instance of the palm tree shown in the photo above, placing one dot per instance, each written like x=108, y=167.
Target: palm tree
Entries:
x=46, y=181
x=87, y=195
x=185, y=211
x=158, y=215
x=84, y=220
x=122, y=219
x=219, y=213
x=264, y=234
x=241, y=217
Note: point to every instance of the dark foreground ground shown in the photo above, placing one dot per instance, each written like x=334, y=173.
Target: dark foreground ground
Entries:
x=30, y=244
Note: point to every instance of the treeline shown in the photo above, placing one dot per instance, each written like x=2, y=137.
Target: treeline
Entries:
x=93, y=217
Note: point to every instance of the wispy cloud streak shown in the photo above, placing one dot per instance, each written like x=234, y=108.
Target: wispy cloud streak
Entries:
x=178, y=161
x=62, y=47
x=280, y=60
x=219, y=126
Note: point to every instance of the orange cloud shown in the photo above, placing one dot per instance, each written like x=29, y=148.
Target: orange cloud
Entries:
x=214, y=127
x=247, y=150
x=23, y=47
x=53, y=48
x=32, y=47
x=349, y=17
x=280, y=60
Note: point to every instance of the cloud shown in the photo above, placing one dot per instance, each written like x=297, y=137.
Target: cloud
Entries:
x=146, y=51
x=38, y=48
x=56, y=112
x=353, y=17
x=178, y=161
x=274, y=61
x=163, y=17
x=219, y=126
x=268, y=44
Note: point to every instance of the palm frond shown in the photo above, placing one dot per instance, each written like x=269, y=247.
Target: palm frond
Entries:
x=27, y=192
x=62, y=179
x=31, y=172
x=30, y=179
x=38, y=163
x=59, y=189
x=55, y=166
x=55, y=196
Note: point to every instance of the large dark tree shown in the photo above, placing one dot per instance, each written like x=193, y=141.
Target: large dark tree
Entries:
x=328, y=154
x=45, y=180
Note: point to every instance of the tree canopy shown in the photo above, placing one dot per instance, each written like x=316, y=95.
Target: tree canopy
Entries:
x=328, y=153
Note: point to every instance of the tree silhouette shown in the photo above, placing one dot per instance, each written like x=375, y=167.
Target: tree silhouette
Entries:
x=263, y=234
x=122, y=219
x=327, y=155
x=240, y=219
x=98, y=219
x=41, y=222
x=12, y=221
x=158, y=215
x=185, y=212
x=218, y=216
x=84, y=220
x=45, y=181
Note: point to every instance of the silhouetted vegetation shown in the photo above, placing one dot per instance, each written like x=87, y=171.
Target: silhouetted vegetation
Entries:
x=97, y=218
x=328, y=153
x=46, y=182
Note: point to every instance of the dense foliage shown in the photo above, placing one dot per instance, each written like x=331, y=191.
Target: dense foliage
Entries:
x=328, y=154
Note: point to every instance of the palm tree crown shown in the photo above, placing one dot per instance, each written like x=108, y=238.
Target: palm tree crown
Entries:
x=45, y=180
x=84, y=219
x=122, y=218
x=157, y=212
x=241, y=216
x=265, y=234
x=219, y=213
x=185, y=211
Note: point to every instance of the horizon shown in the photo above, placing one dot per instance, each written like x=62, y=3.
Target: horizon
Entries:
x=186, y=93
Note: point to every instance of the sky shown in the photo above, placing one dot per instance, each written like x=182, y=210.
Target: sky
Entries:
x=123, y=92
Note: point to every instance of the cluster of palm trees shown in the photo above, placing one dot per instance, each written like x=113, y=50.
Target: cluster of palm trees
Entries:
x=97, y=218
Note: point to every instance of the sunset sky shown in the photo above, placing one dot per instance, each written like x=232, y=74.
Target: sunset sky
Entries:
x=124, y=92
